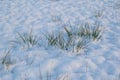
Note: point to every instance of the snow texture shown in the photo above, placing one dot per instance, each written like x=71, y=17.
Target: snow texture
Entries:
x=101, y=61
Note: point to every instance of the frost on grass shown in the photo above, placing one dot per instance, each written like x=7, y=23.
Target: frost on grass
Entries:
x=6, y=60
x=75, y=37
x=25, y=40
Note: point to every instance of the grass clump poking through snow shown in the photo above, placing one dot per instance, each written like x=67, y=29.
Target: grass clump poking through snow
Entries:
x=6, y=59
x=96, y=32
x=52, y=39
x=75, y=38
x=58, y=40
x=25, y=40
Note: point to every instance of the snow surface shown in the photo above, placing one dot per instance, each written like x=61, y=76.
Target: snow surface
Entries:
x=102, y=61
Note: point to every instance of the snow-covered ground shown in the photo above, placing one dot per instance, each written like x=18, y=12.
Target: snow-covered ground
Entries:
x=102, y=61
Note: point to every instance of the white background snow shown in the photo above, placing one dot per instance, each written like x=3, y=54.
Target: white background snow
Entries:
x=102, y=61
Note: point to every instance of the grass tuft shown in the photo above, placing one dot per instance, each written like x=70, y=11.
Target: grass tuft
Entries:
x=7, y=60
x=27, y=40
x=52, y=39
x=96, y=32
x=75, y=38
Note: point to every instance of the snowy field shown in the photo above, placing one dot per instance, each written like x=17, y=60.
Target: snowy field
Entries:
x=100, y=61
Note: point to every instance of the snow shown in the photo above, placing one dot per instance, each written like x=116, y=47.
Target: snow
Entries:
x=101, y=61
